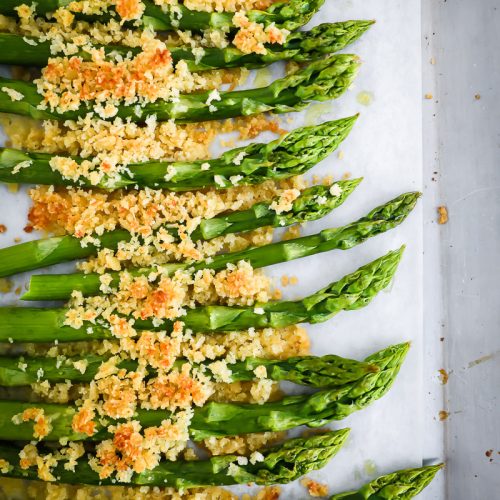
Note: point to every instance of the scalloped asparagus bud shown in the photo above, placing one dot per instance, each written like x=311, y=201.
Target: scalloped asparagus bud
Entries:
x=400, y=485
x=320, y=81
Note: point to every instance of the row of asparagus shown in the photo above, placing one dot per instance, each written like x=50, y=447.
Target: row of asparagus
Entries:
x=300, y=46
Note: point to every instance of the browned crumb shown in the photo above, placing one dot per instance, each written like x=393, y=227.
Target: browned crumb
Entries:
x=443, y=415
x=28, y=229
x=428, y=96
x=17, y=240
x=268, y=493
x=314, y=488
x=3, y=228
x=17, y=291
x=477, y=97
x=443, y=214
x=346, y=175
x=488, y=453
x=443, y=375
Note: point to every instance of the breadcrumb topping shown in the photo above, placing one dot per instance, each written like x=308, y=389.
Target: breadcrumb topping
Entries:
x=175, y=370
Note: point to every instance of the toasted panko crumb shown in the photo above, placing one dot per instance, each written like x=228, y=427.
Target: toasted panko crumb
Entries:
x=314, y=488
x=42, y=425
x=442, y=214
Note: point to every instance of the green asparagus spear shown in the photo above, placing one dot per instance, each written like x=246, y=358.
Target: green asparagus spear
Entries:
x=400, y=485
x=353, y=291
x=290, y=15
x=320, y=81
x=300, y=46
x=379, y=220
x=227, y=419
x=40, y=253
x=314, y=371
x=281, y=464
x=292, y=154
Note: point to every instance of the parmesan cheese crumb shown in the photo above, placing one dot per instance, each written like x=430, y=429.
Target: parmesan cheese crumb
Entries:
x=13, y=94
x=335, y=190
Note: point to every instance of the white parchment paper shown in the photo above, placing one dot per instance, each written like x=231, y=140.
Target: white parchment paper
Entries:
x=385, y=148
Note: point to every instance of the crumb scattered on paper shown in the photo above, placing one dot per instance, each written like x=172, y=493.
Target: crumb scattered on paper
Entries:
x=443, y=214
x=443, y=415
x=428, y=96
x=3, y=228
x=443, y=376
x=314, y=488
x=477, y=97
x=433, y=60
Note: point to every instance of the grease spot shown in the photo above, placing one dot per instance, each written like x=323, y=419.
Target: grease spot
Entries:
x=316, y=111
x=262, y=78
x=365, y=98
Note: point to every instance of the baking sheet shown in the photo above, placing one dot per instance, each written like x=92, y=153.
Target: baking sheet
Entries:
x=385, y=148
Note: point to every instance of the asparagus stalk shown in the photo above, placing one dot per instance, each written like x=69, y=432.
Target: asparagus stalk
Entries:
x=227, y=419
x=353, y=291
x=300, y=46
x=290, y=15
x=314, y=371
x=379, y=220
x=400, y=485
x=320, y=81
x=282, y=464
x=292, y=154
x=40, y=253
